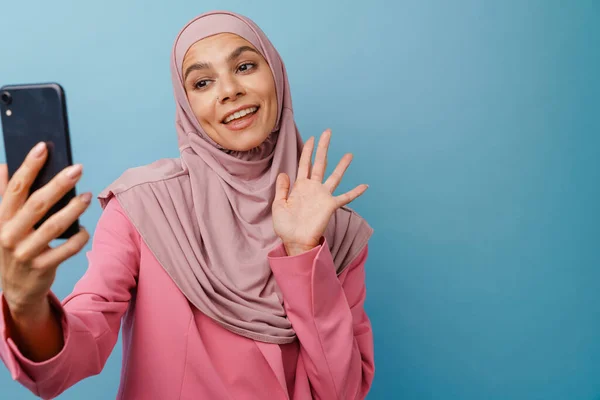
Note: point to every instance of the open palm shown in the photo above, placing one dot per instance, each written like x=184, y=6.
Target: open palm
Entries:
x=300, y=217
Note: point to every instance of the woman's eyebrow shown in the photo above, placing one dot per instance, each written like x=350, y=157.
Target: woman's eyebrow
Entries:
x=237, y=52
x=195, y=67
x=203, y=65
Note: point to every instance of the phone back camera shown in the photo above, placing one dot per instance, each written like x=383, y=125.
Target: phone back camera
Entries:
x=6, y=98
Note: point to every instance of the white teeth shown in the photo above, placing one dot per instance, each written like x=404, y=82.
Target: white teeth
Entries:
x=240, y=114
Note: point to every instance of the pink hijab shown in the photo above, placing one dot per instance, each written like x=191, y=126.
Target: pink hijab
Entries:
x=206, y=216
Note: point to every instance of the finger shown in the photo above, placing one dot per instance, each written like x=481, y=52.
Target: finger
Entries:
x=38, y=205
x=305, y=159
x=54, y=257
x=282, y=187
x=318, y=171
x=350, y=196
x=3, y=178
x=338, y=173
x=37, y=242
x=17, y=188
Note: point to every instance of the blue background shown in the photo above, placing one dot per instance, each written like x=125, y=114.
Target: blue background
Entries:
x=476, y=123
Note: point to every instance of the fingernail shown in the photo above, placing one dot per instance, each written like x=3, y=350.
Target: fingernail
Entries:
x=86, y=198
x=38, y=150
x=74, y=170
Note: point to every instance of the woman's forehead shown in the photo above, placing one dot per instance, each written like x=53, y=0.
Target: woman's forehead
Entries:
x=212, y=25
x=215, y=48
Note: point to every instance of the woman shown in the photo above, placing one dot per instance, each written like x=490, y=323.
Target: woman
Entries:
x=229, y=284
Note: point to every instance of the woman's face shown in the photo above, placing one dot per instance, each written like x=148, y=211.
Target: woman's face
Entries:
x=231, y=90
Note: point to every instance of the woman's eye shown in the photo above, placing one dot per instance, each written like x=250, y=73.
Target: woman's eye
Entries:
x=246, y=67
x=201, y=84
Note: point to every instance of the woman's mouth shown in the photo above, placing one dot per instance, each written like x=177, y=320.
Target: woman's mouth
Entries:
x=241, y=119
x=240, y=114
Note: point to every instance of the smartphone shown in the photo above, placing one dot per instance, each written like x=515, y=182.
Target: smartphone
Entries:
x=34, y=113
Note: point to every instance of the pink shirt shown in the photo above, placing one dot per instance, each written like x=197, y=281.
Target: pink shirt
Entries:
x=173, y=351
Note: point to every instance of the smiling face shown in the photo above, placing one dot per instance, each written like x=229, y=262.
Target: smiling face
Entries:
x=231, y=91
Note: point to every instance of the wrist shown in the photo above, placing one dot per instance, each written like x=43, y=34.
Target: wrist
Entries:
x=295, y=249
x=29, y=314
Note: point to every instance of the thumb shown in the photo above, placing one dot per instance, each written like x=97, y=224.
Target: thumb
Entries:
x=282, y=187
x=3, y=179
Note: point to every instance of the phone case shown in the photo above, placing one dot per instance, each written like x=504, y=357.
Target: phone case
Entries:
x=31, y=114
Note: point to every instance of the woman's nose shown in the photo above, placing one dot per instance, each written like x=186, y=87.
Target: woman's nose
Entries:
x=231, y=89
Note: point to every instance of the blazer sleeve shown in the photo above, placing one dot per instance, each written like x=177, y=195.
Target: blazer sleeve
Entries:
x=90, y=315
x=327, y=313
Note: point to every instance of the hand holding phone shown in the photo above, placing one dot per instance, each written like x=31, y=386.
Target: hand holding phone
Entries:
x=27, y=262
x=39, y=203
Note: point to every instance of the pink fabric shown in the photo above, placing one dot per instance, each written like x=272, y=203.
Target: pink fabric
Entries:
x=206, y=216
x=173, y=351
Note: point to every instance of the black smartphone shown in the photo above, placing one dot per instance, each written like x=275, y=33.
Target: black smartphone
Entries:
x=34, y=113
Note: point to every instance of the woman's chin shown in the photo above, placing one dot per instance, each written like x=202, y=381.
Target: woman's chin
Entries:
x=245, y=141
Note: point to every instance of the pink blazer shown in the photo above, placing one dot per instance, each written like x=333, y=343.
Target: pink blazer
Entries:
x=173, y=351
